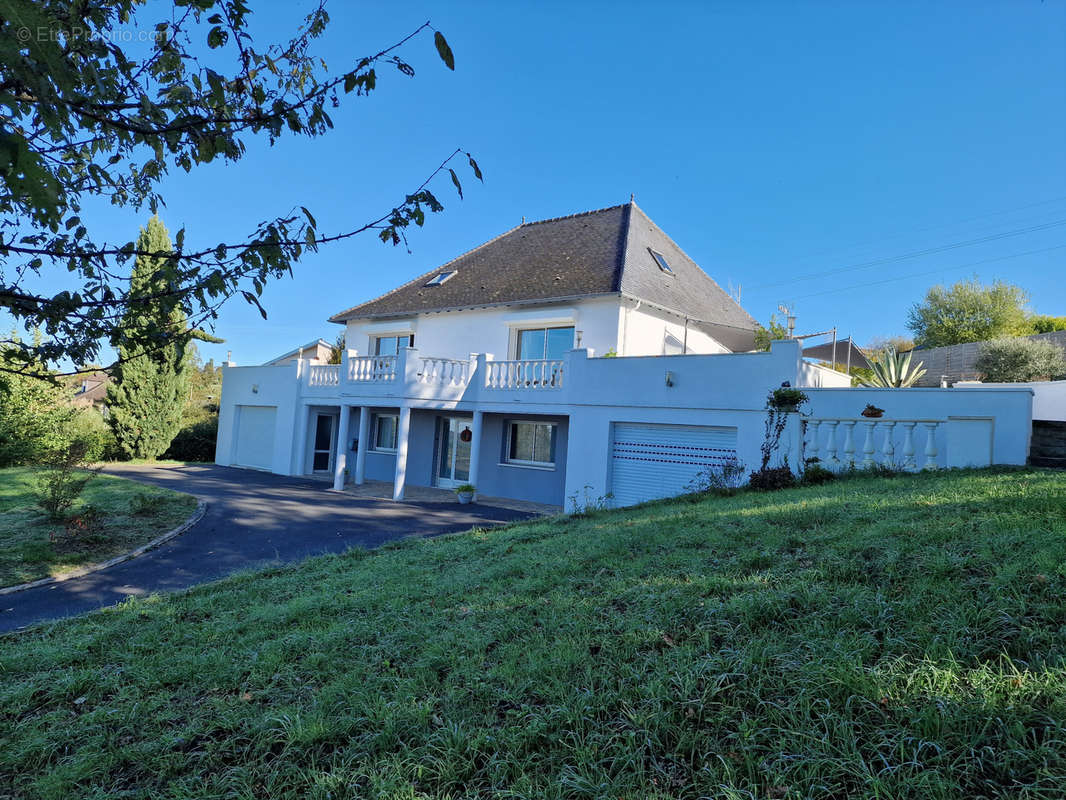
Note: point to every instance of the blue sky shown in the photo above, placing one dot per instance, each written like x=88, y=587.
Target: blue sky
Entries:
x=781, y=144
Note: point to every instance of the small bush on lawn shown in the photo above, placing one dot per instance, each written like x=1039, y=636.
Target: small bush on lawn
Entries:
x=85, y=528
x=195, y=441
x=723, y=479
x=771, y=478
x=64, y=478
x=144, y=503
x=872, y=471
x=815, y=474
x=1009, y=360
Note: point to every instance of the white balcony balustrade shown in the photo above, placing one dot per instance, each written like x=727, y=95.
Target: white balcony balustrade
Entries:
x=533, y=374
x=372, y=369
x=444, y=371
x=846, y=442
x=324, y=375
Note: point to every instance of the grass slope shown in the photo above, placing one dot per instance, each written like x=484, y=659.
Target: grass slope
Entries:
x=131, y=514
x=881, y=638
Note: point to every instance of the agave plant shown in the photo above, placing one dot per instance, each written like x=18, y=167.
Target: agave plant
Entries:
x=893, y=371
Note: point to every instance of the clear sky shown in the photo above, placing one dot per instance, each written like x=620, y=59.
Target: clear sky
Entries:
x=781, y=144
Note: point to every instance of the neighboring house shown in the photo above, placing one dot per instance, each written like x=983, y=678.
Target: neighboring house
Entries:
x=484, y=371
x=317, y=352
x=91, y=392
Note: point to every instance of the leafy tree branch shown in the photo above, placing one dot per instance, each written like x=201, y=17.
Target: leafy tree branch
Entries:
x=84, y=116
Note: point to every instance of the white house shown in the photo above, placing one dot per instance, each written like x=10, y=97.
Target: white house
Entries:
x=485, y=371
x=317, y=352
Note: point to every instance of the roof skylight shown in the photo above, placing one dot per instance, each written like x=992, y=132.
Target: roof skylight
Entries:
x=439, y=278
x=660, y=259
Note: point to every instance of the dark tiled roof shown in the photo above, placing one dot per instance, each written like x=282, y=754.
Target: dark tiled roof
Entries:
x=593, y=253
x=689, y=291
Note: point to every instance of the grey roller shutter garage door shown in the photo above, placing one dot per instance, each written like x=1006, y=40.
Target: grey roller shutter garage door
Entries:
x=255, y=436
x=653, y=461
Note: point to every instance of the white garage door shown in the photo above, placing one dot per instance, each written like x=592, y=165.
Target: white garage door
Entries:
x=653, y=461
x=255, y=436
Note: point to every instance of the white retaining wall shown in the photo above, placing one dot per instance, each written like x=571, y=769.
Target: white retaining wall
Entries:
x=1006, y=414
x=1049, y=397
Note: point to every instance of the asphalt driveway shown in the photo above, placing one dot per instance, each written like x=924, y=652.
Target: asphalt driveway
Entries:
x=252, y=519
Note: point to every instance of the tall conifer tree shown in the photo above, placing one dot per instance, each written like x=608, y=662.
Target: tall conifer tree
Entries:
x=150, y=382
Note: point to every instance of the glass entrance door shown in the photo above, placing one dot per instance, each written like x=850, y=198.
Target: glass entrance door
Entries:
x=453, y=460
x=322, y=457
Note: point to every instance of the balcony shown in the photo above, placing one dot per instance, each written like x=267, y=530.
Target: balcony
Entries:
x=410, y=374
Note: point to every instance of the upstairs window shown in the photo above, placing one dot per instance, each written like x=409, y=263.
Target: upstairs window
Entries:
x=439, y=278
x=390, y=345
x=534, y=344
x=660, y=259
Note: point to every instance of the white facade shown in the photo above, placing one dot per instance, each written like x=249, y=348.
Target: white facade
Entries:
x=556, y=430
x=612, y=324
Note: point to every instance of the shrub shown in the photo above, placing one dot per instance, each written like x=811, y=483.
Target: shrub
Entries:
x=63, y=479
x=584, y=503
x=1043, y=323
x=786, y=397
x=84, y=527
x=723, y=479
x=1009, y=360
x=770, y=478
x=89, y=427
x=195, y=441
x=145, y=503
x=34, y=420
x=37, y=420
x=815, y=474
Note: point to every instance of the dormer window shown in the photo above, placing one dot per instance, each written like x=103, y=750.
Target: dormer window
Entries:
x=660, y=259
x=439, y=278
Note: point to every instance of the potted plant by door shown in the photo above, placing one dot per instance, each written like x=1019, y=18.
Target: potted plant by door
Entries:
x=465, y=493
x=873, y=412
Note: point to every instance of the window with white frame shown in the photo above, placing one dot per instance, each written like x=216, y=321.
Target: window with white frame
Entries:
x=390, y=345
x=660, y=259
x=383, y=436
x=534, y=344
x=530, y=444
x=439, y=278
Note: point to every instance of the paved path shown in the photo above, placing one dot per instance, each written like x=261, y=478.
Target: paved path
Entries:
x=252, y=518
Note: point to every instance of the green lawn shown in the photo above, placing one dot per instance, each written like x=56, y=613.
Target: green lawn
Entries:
x=130, y=514
x=876, y=637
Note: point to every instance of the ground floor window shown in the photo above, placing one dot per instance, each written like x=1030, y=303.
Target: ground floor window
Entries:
x=531, y=443
x=384, y=431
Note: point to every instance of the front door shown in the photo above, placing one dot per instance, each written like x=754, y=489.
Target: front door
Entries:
x=322, y=457
x=453, y=459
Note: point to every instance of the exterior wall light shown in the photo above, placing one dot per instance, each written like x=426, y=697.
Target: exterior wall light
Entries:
x=669, y=378
x=255, y=388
